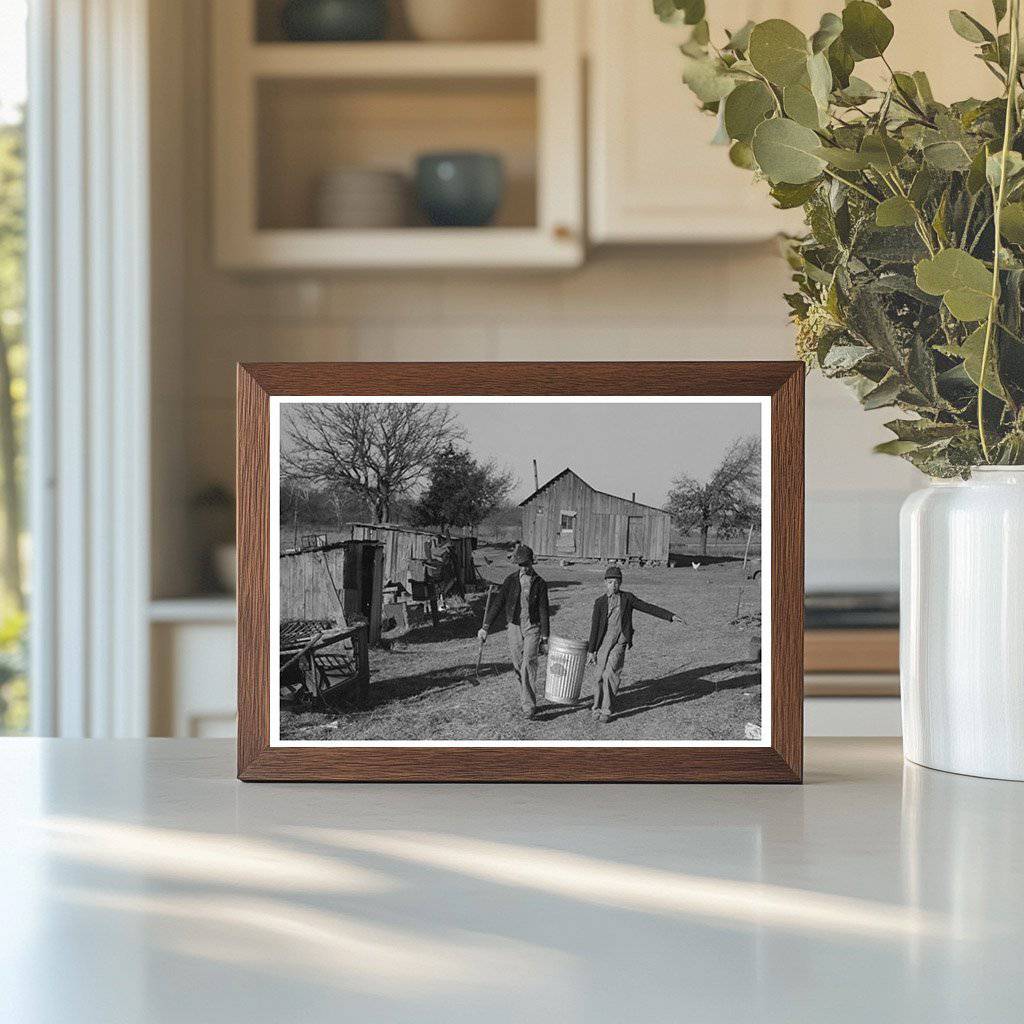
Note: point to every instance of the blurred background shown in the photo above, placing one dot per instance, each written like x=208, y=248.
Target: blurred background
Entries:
x=360, y=180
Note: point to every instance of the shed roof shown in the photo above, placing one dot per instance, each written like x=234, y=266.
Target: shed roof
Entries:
x=558, y=476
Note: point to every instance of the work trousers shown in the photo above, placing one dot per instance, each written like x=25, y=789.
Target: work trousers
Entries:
x=609, y=664
x=524, y=646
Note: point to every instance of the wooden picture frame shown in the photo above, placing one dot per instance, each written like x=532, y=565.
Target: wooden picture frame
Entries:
x=779, y=759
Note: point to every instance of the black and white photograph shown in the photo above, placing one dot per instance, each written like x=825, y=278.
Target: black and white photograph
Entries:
x=467, y=571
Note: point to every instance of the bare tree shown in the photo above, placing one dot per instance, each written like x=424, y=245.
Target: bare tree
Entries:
x=378, y=450
x=728, y=499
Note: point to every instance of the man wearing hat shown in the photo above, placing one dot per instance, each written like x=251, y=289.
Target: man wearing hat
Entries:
x=611, y=632
x=523, y=597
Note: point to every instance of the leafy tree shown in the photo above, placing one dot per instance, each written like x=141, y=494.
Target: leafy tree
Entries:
x=380, y=451
x=12, y=351
x=462, y=491
x=728, y=500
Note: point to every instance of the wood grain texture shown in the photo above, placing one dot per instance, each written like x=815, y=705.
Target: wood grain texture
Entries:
x=852, y=650
x=781, y=762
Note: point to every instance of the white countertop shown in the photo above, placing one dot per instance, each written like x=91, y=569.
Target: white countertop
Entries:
x=140, y=882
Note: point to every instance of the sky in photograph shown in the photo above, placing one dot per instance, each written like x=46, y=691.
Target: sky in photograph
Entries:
x=616, y=447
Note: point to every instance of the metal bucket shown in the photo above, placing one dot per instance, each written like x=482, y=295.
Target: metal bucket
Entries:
x=567, y=661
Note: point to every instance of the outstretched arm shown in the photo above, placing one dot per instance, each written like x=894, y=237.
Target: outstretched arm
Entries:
x=655, y=610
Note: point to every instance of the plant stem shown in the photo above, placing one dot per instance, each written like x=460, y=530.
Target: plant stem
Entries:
x=853, y=185
x=1011, y=108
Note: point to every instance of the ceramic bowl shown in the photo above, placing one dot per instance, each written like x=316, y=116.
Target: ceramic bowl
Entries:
x=459, y=189
x=333, y=21
x=470, y=20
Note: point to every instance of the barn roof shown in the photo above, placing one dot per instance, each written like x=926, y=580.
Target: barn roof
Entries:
x=558, y=476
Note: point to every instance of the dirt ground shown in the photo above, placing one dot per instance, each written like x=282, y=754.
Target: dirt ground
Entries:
x=692, y=681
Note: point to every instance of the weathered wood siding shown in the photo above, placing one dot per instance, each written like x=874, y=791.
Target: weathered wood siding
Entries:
x=602, y=523
x=333, y=583
x=402, y=547
x=313, y=584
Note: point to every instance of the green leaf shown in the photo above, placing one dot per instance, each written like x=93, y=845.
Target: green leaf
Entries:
x=993, y=167
x=857, y=91
x=819, y=74
x=939, y=220
x=885, y=394
x=924, y=88
x=866, y=29
x=690, y=12
x=947, y=156
x=1012, y=223
x=829, y=30
x=739, y=41
x=745, y=108
x=971, y=352
x=707, y=78
x=922, y=185
x=787, y=151
x=969, y=28
x=999, y=9
x=841, y=63
x=976, y=173
x=883, y=152
x=844, y=159
x=801, y=106
x=895, y=212
x=963, y=281
x=788, y=197
x=741, y=155
x=701, y=34
x=923, y=431
x=895, y=447
x=779, y=51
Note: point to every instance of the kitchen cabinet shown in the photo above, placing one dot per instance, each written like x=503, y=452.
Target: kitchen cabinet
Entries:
x=287, y=114
x=654, y=177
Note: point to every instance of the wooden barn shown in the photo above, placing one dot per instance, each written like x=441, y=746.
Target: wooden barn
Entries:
x=567, y=517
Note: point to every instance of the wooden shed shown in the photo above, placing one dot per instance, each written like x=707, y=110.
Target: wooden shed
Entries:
x=334, y=582
x=406, y=550
x=567, y=517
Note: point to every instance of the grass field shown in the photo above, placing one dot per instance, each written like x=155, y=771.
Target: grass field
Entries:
x=680, y=682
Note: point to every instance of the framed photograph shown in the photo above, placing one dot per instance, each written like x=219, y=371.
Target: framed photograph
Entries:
x=571, y=572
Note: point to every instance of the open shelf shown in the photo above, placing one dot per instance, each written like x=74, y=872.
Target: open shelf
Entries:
x=393, y=60
x=520, y=24
x=308, y=127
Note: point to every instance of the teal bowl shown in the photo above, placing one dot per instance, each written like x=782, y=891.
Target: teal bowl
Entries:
x=460, y=190
x=334, y=21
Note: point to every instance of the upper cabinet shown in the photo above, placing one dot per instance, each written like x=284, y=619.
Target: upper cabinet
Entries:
x=316, y=144
x=654, y=176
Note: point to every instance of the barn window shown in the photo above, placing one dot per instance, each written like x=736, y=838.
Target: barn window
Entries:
x=568, y=520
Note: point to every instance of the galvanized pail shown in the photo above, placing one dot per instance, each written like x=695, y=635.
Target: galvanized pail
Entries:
x=567, y=661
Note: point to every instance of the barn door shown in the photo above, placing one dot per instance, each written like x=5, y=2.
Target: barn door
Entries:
x=565, y=543
x=635, y=537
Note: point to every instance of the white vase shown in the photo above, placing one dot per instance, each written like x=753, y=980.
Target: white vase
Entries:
x=962, y=624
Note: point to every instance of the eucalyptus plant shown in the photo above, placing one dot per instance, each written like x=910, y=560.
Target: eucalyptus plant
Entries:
x=910, y=278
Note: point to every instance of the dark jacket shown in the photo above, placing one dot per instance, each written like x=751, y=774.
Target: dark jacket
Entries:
x=507, y=600
x=630, y=603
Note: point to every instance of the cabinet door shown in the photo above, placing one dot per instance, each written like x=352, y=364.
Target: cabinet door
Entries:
x=653, y=174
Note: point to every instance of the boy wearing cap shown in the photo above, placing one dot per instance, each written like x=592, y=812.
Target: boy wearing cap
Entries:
x=523, y=597
x=611, y=632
